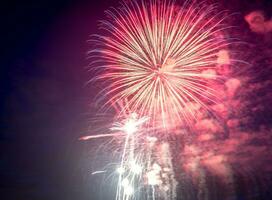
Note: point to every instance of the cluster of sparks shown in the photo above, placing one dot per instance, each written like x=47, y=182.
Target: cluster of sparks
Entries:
x=138, y=166
x=158, y=58
x=131, y=166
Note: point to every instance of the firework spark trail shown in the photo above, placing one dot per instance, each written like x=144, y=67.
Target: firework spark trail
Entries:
x=157, y=56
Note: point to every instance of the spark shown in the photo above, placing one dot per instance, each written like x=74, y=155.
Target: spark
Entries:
x=98, y=172
x=88, y=137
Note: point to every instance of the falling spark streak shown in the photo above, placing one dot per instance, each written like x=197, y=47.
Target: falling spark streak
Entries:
x=100, y=136
x=98, y=172
x=155, y=56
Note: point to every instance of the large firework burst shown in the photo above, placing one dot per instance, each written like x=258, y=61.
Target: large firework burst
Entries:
x=158, y=58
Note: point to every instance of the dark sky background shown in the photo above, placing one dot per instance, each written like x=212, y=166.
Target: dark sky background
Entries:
x=45, y=104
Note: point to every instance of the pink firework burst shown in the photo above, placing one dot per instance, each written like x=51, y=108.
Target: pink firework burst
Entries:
x=160, y=58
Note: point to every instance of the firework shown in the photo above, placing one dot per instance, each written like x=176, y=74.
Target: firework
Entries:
x=159, y=59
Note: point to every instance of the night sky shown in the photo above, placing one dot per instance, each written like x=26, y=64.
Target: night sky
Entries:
x=46, y=104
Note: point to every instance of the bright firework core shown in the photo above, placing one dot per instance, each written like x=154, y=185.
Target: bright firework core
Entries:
x=130, y=126
x=160, y=73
